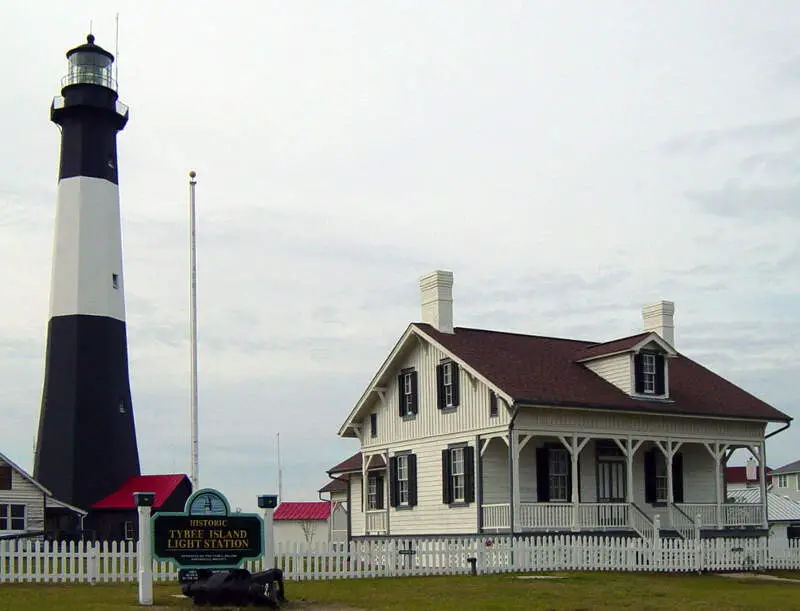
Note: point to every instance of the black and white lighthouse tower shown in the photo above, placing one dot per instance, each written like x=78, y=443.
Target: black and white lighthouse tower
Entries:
x=86, y=446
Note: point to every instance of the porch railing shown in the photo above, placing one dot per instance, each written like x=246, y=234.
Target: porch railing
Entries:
x=733, y=514
x=603, y=515
x=681, y=522
x=376, y=522
x=546, y=516
x=743, y=514
x=641, y=523
x=706, y=511
x=496, y=516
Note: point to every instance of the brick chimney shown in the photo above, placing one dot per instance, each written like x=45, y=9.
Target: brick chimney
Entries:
x=436, y=292
x=659, y=317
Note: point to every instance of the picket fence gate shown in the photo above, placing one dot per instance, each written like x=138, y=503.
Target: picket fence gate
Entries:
x=78, y=562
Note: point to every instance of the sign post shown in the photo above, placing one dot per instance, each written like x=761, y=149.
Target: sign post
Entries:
x=206, y=535
x=268, y=502
x=144, y=559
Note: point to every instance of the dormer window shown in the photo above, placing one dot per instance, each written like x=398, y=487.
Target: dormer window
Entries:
x=650, y=374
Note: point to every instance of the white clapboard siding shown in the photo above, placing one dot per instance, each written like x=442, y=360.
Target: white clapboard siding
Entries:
x=54, y=562
x=24, y=492
x=471, y=416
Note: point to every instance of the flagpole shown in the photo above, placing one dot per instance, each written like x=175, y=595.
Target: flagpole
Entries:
x=195, y=478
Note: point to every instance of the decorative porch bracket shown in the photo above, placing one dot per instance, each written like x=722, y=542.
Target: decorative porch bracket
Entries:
x=669, y=452
x=518, y=441
x=629, y=449
x=574, y=447
x=759, y=453
x=718, y=451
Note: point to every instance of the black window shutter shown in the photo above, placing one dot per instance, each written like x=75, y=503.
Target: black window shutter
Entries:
x=456, y=384
x=660, y=371
x=447, y=480
x=414, y=403
x=412, y=480
x=400, y=394
x=579, y=478
x=569, y=478
x=379, y=495
x=542, y=475
x=677, y=478
x=638, y=372
x=650, y=476
x=393, y=481
x=469, y=474
x=492, y=403
x=440, y=385
x=5, y=477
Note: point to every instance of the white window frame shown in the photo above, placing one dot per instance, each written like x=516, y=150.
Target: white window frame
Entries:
x=783, y=481
x=130, y=532
x=7, y=520
x=661, y=479
x=402, y=480
x=372, y=492
x=458, y=475
x=558, y=467
x=447, y=375
x=649, y=374
x=408, y=394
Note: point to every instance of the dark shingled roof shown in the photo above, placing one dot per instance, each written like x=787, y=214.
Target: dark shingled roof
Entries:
x=536, y=370
x=617, y=345
x=353, y=463
x=335, y=485
x=792, y=467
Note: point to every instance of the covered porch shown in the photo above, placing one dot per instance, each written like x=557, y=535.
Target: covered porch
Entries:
x=547, y=482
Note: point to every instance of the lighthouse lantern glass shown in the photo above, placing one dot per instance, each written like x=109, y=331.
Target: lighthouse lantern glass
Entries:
x=91, y=68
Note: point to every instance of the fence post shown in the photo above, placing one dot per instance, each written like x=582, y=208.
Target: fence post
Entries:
x=144, y=554
x=268, y=503
x=93, y=569
x=698, y=557
x=657, y=540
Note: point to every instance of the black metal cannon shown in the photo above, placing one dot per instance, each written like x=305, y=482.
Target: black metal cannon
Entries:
x=237, y=587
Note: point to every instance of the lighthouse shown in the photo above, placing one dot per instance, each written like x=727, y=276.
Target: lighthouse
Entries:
x=86, y=446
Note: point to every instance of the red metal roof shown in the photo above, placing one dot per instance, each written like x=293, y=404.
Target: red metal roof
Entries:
x=161, y=485
x=318, y=510
x=738, y=475
x=543, y=370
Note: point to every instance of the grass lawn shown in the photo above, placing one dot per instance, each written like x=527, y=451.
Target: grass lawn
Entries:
x=501, y=592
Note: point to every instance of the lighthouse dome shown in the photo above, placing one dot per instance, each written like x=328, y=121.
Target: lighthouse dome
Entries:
x=89, y=64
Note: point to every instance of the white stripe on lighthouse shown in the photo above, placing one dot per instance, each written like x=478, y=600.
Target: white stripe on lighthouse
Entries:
x=87, y=258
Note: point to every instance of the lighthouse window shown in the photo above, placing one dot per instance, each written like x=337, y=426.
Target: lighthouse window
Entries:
x=115, y=280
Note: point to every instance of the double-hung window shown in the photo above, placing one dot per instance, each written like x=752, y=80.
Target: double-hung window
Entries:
x=661, y=478
x=457, y=473
x=559, y=475
x=12, y=517
x=402, y=480
x=649, y=373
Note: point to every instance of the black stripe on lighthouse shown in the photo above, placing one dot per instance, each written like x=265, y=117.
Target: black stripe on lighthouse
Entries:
x=86, y=446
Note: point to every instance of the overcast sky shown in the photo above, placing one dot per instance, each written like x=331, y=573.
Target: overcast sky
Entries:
x=568, y=161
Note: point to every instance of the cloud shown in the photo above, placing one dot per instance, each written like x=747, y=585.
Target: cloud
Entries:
x=746, y=136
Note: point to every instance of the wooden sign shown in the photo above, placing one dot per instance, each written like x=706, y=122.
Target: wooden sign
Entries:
x=206, y=535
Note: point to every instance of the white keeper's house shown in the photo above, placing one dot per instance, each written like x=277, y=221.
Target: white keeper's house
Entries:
x=470, y=431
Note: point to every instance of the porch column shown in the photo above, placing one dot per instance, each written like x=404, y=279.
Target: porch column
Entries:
x=574, y=447
x=669, y=453
x=515, y=496
x=717, y=451
x=762, y=484
x=364, y=465
x=629, y=451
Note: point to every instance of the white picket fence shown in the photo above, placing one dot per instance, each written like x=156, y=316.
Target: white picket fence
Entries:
x=33, y=561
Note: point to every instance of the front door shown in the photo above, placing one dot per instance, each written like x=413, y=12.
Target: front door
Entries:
x=611, y=489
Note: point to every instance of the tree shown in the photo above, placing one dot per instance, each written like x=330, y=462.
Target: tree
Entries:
x=309, y=528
